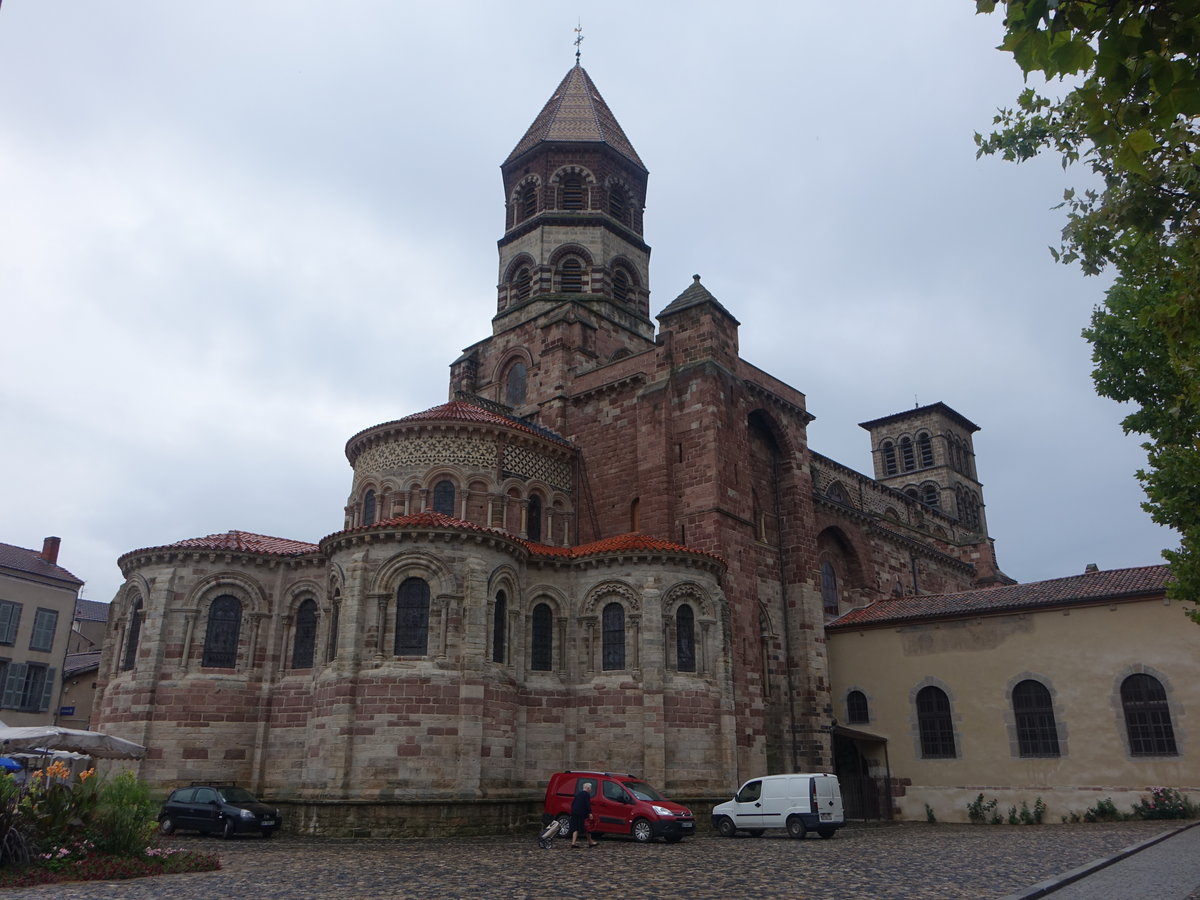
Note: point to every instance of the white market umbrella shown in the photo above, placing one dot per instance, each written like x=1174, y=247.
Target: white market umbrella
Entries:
x=52, y=737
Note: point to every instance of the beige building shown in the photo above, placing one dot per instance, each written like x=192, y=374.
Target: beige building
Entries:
x=1071, y=690
x=37, y=608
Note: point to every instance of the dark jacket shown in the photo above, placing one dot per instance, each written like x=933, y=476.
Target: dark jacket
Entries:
x=581, y=806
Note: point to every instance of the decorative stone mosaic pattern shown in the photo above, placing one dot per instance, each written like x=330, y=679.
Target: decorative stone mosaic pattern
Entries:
x=528, y=464
x=476, y=454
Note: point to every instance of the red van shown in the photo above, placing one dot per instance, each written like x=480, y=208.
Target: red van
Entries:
x=621, y=804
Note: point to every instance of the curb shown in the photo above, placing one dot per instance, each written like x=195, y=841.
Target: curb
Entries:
x=1042, y=888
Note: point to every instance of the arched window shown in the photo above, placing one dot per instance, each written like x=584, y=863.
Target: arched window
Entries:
x=572, y=191
x=1033, y=713
x=443, y=497
x=856, y=708
x=221, y=636
x=906, y=454
x=499, y=624
x=968, y=507
x=925, y=449
x=685, y=639
x=541, y=654
x=889, y=458
x=305, y=641
x=412, y=618
x=368, y=507
x=514, y=384
x=635, y=514
x=620, y=285
x=570, y=276
x=523, y=283
x=912, y=493
x=618, y=203
x=613, y=628
x=1147, y=717
x=533, y=518
x=334, y=617
x=935, y=724
x=132, y=636
x=929, y=494
x=837, y=493
x=526, y=201
x=829, y=589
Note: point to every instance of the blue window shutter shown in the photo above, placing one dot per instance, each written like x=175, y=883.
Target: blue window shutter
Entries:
x=45, y=623
x=47, y=690
x=10, y=618
x=15, y=686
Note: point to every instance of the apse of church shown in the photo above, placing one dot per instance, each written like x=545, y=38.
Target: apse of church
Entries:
x=611, y=547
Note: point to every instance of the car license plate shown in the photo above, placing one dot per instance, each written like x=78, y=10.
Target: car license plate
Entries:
x=687, y=825
x=826, y=817
x=267, y=822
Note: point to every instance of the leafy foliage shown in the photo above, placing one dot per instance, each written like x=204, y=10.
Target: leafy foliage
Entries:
x=1131, y=114
x=1165, y=803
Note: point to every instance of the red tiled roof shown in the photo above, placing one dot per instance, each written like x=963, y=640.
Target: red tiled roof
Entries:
x=1090, y=587
x=31, y=562
x=426, y=519
x=239, y=542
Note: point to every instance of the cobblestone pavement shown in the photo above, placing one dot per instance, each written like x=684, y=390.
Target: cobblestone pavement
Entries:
x=876, y=861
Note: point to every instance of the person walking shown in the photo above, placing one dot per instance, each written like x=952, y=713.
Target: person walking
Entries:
x=581, y=811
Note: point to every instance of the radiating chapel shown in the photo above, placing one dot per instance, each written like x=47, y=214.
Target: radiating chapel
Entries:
x=611, y=547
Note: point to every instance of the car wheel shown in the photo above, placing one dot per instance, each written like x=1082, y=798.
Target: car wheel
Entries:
x=827, y=833
x=564, y=825
x=166, y=825
x=795, y=827
x=228, y=829
x=757, y=832
x=725, y=827
x=642, y=832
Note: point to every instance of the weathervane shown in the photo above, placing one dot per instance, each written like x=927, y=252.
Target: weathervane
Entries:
x=578, y=40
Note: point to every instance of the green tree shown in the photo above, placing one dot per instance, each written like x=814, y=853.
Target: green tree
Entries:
x=1130, y=112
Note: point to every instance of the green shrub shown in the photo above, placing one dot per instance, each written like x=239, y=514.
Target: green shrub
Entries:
x=929, y=816
x=979, y=810
x=123, y=821
x=1104, y=811
x=1165, y=803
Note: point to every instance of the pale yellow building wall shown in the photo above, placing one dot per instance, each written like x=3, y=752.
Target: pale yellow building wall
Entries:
x=33, y=593
x=1081, y=654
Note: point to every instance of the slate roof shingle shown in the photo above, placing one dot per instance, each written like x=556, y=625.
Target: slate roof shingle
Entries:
x=22, y=559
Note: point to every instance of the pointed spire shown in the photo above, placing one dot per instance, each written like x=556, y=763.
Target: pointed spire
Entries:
x=576, y=112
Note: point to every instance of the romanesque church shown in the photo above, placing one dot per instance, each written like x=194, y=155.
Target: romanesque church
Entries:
x=610, y=547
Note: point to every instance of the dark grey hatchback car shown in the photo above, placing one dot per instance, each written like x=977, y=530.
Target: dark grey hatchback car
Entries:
x=222, y=809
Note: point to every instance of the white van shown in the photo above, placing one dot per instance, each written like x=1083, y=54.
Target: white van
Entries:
x=800, y=803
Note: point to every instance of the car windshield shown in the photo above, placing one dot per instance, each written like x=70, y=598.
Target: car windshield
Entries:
x=237, y=795
x=641, y=790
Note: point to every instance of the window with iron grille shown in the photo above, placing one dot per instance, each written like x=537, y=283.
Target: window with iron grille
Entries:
x=443, y=497
x=132, y=636
x=541, y=656
x=499, y=624
x=856, y=708
x=368, y=507
x=685, y=639
x=829, y=589
x=412, y=618
x=613, y=641
x=1033, y=713
x=221, y=636
x=515, y=382
x=572, y=192
x=1147, y=717
x=45, y=623
x=935, y=724
x=304, y=642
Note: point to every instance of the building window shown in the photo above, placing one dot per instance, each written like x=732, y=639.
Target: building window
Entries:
x=443, y=497
x=526, y=201
x=132, y=636
x=929, y=494
x=906, y=454
x=514, y=384
x=10, y=619
x=613, y=646
x=334, y=617
x=45, y=623
x=856, y=708
x=618, y=203
x=829, y=589
x=620, y=286
x=221, y=636
x=935, y=725
x=888, y=449
x=837, y=494
x=541, y=656
x=1033, y=712
x=523, y=283
x=368, y=507
x=573, y=192
x=925, y=449
x=28, y=687
x=499, y=623
x=968, y=507
x=685, y=639
x=304, y=642
x=570, y=276
x=412, y=618
x=1147, y=717
x=533, y=518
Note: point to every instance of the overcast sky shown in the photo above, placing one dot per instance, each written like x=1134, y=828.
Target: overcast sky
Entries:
x=234, y=233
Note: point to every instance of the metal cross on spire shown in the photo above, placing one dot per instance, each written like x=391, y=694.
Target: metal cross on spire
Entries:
x=578, y=39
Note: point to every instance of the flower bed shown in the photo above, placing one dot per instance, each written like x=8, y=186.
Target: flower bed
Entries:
x=104, y=866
